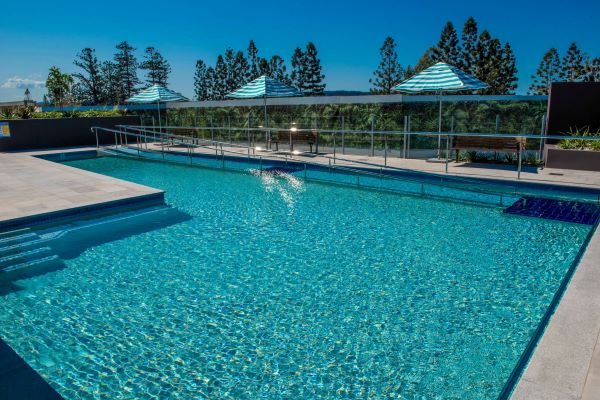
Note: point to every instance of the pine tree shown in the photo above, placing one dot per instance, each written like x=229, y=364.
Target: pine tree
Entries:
x=508, y=71
x=389, y=72
x=126, y=70
x=549, y=70
x=111, y=88
x=253, y=61
x=263, y=67
x=157, y=66
x=591, y=71
x=201, y=87
x=425, y=61
x=298, y=72
x=89, y=82
x=231, y=73
x=278, y=70
x=242, y=69
x=210, y=84
x=313, y=85
x=448, y=49
x=482, y=51
x=219, y=88
x=573, y=64
x=469, y=46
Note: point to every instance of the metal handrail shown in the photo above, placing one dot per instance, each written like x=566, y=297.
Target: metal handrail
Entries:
x=376, y=132
x=452, y=183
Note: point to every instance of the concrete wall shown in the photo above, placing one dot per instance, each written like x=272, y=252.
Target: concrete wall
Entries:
x=573, y=105
x=30, y=134
x=582, y=160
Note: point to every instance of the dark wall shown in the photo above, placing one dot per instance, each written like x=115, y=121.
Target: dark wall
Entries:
x=29, y=134
x=573, y=104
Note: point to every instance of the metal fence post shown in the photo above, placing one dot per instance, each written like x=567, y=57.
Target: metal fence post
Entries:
x=229, y=126
x=497, y=123
x=542, y=133
x=343, y=144
x=372, y=135
x=404, y=137
x=520, y=158
x=385, y=149
x=334, y=147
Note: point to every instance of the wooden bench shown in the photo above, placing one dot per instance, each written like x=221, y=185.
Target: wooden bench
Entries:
x=488, y=143
x=290, y=137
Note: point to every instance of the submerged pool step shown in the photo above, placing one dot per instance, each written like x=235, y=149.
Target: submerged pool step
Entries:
x=557, y=210
x=25, y=256
x=37, y=262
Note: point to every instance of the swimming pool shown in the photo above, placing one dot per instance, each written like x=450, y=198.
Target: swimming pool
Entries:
x=273, y=287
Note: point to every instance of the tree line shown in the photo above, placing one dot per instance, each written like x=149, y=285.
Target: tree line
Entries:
x=109, y=81
x=234, y=69
x=486, y=58
x=574, y=66
x=479, y=54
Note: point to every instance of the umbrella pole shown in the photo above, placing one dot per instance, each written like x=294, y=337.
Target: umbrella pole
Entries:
x=439, y=126
x=267, y=134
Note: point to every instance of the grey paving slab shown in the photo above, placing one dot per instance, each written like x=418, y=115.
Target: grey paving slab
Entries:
x=32, y=186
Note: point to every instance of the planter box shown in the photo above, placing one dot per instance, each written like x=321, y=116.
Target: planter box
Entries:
x=583, y=160
x=48, y=133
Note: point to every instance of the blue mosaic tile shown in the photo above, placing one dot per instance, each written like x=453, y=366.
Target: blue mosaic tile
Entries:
x=558, y=210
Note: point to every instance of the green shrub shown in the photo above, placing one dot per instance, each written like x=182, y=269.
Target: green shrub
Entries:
x=581, y=144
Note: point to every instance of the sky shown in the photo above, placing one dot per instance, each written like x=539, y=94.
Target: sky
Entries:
x=37, y=35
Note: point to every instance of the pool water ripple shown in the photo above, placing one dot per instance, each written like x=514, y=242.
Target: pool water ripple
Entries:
x=281, y=289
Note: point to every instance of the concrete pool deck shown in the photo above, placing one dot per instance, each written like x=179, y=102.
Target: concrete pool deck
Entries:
x=566, y=363
x=31, y=187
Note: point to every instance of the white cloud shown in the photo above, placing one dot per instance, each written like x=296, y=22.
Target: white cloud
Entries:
x=16, y=82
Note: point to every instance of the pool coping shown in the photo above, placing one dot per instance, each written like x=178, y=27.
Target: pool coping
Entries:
x=562, y=361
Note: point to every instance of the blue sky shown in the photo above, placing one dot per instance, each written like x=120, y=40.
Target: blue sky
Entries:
x=36, y=35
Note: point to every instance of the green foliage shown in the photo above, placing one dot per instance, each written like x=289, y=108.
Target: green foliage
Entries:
x=483, y=56
x=29, y=113
x=126, y=70
x=581, y=144
x=549, y=70
x=59, y=86
x=448, y=48
x=90, y=81
x=389, y=73
x=157, y=67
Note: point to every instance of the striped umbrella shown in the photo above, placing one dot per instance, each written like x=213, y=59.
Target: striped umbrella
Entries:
x=440, y=78
x=264, y=87
x=159, y=94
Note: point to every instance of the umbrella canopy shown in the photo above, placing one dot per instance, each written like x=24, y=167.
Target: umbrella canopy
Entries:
x=440, y=77
x=156, y=94
x=264, y=87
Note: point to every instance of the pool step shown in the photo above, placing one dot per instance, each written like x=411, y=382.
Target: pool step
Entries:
x=37, y=263
x=24, y=256
x=557, y=210
x=23, y=249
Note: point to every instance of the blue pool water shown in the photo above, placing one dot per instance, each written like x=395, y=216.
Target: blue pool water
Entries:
x=271, y=287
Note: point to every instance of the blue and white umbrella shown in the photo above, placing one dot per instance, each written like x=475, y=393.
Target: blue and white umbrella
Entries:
x=440, y=78
x=156, y=94
x=264, y=87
